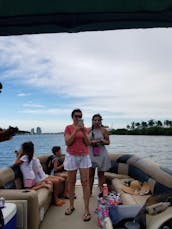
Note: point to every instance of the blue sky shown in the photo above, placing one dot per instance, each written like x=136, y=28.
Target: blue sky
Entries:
x=123, y=75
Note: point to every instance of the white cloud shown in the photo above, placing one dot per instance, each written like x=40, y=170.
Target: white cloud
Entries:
x=121, y=74
x=22, y=94
x=31, y=105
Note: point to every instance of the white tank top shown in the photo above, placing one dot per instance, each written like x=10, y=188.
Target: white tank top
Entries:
x=26, y=168
x=38, y=170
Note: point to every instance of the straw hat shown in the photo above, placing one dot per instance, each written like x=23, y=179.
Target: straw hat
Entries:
x=136, y=188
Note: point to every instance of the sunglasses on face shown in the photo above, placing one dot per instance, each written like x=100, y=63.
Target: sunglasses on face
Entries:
x=78, y=116
x=97, y=120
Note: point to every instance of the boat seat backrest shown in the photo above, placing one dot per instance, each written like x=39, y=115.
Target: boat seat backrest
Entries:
x=18, y=177
x=6, y=177
x=142, y=169
x=43, y=159
x=9, y=180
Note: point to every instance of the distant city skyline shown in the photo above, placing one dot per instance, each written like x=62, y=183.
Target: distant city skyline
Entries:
x=38, y=130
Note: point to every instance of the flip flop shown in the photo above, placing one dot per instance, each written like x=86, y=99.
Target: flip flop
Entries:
x=69, y=211
x=67, y=198
x=86, y=217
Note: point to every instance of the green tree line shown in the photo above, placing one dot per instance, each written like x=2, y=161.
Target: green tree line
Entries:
x=151, y=127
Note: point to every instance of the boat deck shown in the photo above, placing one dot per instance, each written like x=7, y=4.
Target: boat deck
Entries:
x=56, y=218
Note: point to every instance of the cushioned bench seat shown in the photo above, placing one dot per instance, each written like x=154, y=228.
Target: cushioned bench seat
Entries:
x=38, y=202
x=128, y=199
x=126, y=168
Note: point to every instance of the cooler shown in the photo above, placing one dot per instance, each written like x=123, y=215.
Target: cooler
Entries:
x=9, y=214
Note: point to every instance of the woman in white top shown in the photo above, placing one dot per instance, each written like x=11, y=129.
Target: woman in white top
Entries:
x=24, y=159
x=33, y=175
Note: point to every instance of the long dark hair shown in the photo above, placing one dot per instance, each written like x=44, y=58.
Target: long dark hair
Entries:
x=92, y=127
x=28, y=149
x=98, y=116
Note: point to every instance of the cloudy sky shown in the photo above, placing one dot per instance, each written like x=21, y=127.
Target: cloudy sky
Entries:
x=123, y=75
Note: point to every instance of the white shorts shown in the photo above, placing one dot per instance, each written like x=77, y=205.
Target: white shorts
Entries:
x=72, y=162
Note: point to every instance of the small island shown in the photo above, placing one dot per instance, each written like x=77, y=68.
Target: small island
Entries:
x=151, y=127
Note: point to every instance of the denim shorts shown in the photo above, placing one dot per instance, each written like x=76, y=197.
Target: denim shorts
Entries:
x=75, y=162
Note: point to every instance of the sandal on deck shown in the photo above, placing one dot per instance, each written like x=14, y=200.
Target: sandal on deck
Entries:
x=67, y=197
x=86, y=217
x=69, y=211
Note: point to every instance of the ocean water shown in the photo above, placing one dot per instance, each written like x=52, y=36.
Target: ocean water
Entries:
x=157, y=148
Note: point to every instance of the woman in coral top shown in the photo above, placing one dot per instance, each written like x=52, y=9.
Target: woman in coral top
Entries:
x=77, y=157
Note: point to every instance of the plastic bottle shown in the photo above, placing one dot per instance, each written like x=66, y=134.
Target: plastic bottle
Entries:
x=118, y=199
x=2, y=202
x=105, y=190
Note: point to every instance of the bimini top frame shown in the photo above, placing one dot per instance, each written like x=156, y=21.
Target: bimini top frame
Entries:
x=52, y=16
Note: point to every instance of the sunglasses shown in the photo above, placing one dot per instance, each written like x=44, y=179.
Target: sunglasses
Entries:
x=78, y=116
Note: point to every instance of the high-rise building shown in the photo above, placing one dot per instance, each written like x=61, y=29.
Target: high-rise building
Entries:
x=38, y=130
x=32, y=131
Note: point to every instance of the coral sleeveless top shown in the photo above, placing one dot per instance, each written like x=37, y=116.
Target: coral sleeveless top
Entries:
x=78, y=147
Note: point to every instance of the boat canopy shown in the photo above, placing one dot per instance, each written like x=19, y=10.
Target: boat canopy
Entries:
x=52, y=16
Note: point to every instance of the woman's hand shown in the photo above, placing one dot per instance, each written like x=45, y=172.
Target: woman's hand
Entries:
x=102, y=141
x=95, y=142
x=69, y=138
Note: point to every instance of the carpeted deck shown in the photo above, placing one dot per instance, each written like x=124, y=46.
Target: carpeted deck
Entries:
x=56, y=218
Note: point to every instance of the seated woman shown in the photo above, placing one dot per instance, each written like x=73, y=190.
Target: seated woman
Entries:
x=33, y=175
x=42, y=177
